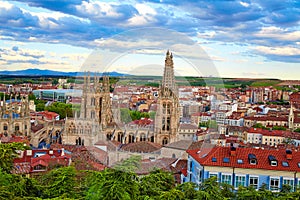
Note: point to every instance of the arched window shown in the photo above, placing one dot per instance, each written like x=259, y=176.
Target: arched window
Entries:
x=92, y=114
x=165, y=141
x=142, y=137
x=152, y=139
x=108, y=136
x=120, y=136
x=131, y=138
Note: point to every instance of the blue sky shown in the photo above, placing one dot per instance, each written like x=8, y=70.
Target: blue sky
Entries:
x=250, y=39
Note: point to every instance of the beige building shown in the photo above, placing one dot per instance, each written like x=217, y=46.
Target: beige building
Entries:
x=99, y=121
x=15, y=117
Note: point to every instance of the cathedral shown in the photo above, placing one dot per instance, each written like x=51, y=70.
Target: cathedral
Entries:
x=15, y=116
x=99, y=121
x=95, y=113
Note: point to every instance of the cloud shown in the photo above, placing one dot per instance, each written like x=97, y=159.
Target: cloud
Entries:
x=83, y=23
x=282, y=54
x=278, y=34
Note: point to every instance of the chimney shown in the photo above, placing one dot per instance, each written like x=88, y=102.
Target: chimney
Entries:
x=289, y=154
x=232, y=151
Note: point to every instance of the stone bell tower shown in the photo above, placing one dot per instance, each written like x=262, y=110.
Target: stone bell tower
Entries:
x=167, y=116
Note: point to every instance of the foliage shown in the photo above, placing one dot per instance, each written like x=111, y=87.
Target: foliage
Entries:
x=112, y=184
x=259, y=125
x=125, y=115
x=59, y=183
x=152, y=115
x=8, y=152
x=62, y=109
x=282, y=128
x=67, y=183
x=156, y=183
x=297, y=130
x=129, y=165
x=128, y=115
x=209, y=124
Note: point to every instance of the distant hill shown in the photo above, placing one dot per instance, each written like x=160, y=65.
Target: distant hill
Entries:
x=40, y=72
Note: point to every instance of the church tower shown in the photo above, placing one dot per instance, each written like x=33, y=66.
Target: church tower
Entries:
x=167, y=116
x=291, y=118
x=95, y=113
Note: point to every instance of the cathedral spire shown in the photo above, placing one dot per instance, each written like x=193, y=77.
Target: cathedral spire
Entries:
x=169, y=78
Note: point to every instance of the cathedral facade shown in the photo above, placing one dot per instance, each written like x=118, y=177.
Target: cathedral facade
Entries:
x=15, y=116
x=95, y=113
x=97, y=121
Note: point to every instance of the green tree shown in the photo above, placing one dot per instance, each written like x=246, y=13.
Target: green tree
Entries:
x=112, y=184
x=278, y=128
x=155, y=183
x=297, y=130
x=145, y=115
x=210, y=189
x=12, y=186
x=189, y=190
x=152, y=115
x=259, y=125
x=60, y=108
x=60, y=182
x=8, y=152
x=247, y=193
x=129, y=165
x=135, y=115
x=172, y=194
x=125, y=115
x=264, y=193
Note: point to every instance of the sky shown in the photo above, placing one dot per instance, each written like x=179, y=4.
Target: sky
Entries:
x=243, y=39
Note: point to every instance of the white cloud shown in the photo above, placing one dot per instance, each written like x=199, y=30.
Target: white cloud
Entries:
x=245, y=4
x=278, y=33
x=279, y=51
x=146, y=15
x=97, y=9
x=6, y=5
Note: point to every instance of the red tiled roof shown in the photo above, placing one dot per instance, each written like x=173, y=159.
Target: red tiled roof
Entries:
x=48, y=115
x=40, y=162
x=143, y=146
x=204, y=157
x=267, y=118
x=270, y=132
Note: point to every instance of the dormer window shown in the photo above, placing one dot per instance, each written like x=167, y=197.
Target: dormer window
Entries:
x=273, y=163
x=226, y=160
x=252, y=159
x=272, y=160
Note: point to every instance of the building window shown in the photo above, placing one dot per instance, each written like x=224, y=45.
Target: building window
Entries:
x=165, y=141
x=5, y=127
x=213, y=175
x=226, y=178
x=288, y=181
x=240, y=181
x=253, y=182
x=274, y=184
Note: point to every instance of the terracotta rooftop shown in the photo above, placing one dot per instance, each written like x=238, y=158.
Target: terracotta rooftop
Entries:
x=222, y=157
x=188, y=126
x=181, y=144
x=149, y=165
x=143, y=146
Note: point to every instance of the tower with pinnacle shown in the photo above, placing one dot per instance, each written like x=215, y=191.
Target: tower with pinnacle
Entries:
x=95, y=113
x=167, y=115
